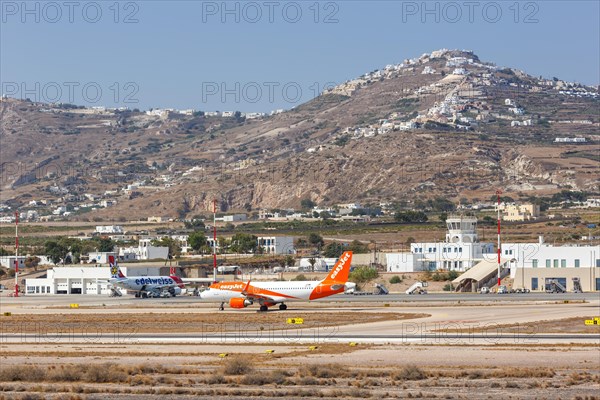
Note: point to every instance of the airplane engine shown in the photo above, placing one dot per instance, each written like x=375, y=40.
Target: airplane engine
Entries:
x=176, y=291
x=239, y=303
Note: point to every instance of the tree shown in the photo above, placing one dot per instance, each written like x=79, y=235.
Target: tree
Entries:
x=315, y=239
x=55, y=251
x=244, y=243
x=307, y=204
x=195, y=223
x=32, y=262
x=197, y=240
x=289, y=261
x=325, y=215
x=362, y=275
x=333, y=250
x=443, y=217
x=105, y=244
x=312, y=261
x=410, y=216
x=358, y=247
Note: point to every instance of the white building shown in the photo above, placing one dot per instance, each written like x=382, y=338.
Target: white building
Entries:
x=144, y=251
x=108, y=229
x=460, y=251
x=534, y=265
x=320, y=265
x=80, y=280
x=277, y=244
x=569, y=140
x=233, y=218
x=59, y=210
x=100, y=257
x=9, y=261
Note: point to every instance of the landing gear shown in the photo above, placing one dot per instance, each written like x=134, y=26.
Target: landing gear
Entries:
x=137, y=294
x=282, y=307
x=263, y=308
x=222, y=307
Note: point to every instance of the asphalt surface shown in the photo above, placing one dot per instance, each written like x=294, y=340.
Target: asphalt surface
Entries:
x=65, y=300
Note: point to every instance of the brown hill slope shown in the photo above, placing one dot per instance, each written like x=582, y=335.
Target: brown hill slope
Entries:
x=444, y=124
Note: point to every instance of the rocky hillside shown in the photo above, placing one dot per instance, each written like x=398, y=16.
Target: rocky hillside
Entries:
x=443, y=124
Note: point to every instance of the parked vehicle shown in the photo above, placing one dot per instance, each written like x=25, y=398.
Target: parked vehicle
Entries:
x=502, y=289
x=484, y=290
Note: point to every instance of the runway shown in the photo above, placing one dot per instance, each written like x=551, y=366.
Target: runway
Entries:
x=128, y=300
x=298, y=336
x=444, y=318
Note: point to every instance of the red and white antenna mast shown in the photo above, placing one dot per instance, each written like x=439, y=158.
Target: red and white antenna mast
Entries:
x=215, y=241
x=16, y=253
x=498, y=193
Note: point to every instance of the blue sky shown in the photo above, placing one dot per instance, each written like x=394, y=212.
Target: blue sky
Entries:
x=265, y=55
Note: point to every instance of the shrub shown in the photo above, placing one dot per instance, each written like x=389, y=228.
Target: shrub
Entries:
x=410, y=373
x=395, y=279
x=237, y=366
x=363, y=274
x=66, y=373
x=324, y=371
x=105, y=373
x=22, y=373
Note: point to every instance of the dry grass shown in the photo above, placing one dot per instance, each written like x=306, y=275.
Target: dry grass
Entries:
x=565, y=325
x=237, y=366
x=244, y=377
x=201, y=323
x=409, y=373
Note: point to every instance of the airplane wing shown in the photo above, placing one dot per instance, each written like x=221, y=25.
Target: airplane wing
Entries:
x=259, y=295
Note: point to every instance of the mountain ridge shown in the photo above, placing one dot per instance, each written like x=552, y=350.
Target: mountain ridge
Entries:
x=443, y=124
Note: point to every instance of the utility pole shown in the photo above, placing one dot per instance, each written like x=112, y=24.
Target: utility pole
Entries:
x=214, y=241
x=498, y=193
x=17, y=253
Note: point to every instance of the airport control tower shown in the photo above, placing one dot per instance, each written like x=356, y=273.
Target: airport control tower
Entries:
x=461, y=229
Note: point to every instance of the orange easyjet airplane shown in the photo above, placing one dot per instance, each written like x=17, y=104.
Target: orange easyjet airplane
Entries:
x=267, y=294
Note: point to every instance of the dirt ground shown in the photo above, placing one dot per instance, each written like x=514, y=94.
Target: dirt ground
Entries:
x=329, y=371
x=158, y=322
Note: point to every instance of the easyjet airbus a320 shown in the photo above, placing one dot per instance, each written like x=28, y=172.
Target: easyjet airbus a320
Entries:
x=268, y=294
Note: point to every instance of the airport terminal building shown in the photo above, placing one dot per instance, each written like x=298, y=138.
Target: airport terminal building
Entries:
x=535, y=266
x=460, y=251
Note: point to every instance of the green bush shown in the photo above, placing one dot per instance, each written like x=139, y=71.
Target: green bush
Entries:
x=395, y=279
x=363, y=274
x=448, y=287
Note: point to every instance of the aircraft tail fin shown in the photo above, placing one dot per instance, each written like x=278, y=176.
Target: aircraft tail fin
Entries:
x=178, y=281
x=115, y=271
x=245, y=290
x=341, y=270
